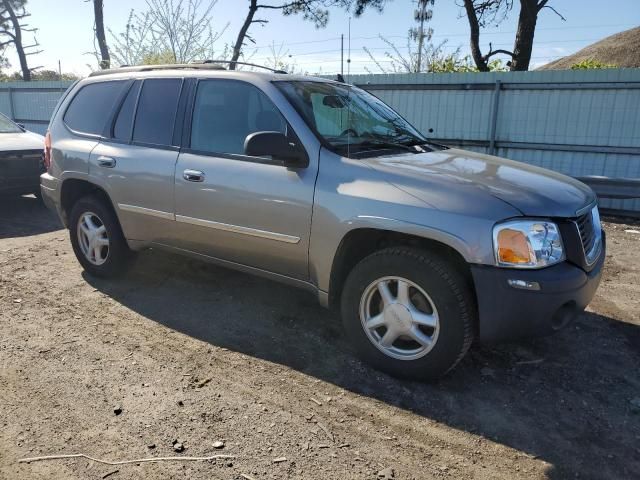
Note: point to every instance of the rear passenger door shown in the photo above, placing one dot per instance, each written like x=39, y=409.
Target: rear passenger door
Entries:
x=136, y=161
x=248, y=210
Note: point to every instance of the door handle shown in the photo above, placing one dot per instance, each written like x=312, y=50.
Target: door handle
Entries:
x=106, y=162
x=193, y=175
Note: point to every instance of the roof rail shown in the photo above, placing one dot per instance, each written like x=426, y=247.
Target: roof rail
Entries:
x=204, y=65
x=150, y=68
x=229, y=62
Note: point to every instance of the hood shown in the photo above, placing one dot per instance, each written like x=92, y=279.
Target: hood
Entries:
x=532, y=190
x=21, y=141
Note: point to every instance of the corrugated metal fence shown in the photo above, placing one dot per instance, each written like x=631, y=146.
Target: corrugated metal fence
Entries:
x=585, y=123
x=31, y=103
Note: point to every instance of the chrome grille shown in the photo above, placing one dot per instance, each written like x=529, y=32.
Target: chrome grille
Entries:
x=590, y=234
x=587, y=234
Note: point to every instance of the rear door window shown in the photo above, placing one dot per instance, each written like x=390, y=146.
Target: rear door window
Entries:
x=92, y=106
x=156, y=113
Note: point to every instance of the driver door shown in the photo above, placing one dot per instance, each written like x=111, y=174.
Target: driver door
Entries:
x=234, y=207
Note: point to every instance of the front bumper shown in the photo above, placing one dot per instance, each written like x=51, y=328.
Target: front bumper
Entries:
x=506, y=312
x=21, y=188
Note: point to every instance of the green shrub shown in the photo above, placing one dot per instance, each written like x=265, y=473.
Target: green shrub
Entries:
x=590, y=64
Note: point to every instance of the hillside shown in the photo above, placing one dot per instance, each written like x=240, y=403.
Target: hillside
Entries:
x=621, y=50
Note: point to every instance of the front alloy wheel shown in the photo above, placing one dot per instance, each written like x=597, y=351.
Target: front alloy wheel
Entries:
x=409, y=312
x=399, y=318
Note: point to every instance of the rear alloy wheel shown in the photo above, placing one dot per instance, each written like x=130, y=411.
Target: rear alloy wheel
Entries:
x=93, y=238
x=408, y=312
x=97, y=238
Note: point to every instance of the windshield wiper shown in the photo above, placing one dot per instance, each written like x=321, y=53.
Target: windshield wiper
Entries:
x=384, y=144
x=422, y=143
x=377, y=140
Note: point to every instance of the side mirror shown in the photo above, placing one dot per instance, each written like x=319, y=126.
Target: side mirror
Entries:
x=276, y=145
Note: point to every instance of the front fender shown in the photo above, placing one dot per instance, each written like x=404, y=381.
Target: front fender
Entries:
x=467, y=251
x=470, y=237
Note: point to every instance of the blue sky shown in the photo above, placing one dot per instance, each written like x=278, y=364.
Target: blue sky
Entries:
x=65, y=31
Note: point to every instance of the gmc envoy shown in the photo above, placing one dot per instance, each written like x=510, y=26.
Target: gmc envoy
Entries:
x=420, y=247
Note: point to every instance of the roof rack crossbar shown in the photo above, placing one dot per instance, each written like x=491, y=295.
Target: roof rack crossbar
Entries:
x=204, y=65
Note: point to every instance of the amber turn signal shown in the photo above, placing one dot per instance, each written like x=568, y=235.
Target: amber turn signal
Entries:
x=514, y=248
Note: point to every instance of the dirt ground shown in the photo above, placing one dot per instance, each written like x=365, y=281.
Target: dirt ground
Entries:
x=200, y=354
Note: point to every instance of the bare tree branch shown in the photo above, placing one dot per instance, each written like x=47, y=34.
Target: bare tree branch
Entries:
x=554, y=11
x=315, y=11
x=493, y=52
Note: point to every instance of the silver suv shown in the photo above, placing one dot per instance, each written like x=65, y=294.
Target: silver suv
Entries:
x=319, y=184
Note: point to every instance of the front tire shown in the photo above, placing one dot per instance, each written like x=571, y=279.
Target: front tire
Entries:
x=408, y=312
x=97, y=238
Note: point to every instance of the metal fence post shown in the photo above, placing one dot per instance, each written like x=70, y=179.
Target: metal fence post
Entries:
x=494, y=117
x=11, y=106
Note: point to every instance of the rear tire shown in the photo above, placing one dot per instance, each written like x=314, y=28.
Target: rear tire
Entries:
x=97, y=238
x=408, y=313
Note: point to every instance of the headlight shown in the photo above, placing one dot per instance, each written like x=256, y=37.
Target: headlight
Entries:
x=527, y=244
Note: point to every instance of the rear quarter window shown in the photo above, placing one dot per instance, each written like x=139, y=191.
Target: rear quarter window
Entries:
x=124, y=120
x=156, y=112
x=91, y=107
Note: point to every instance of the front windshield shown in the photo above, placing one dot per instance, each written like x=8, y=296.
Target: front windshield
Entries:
x=350, y=119
x=7, y=126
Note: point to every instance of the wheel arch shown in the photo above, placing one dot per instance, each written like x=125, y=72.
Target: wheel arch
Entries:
x=359, y=243
x=73, y=189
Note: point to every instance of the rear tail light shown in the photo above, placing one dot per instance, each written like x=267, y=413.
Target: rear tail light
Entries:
x=46, y=154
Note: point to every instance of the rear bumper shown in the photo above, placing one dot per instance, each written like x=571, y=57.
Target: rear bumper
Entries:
x=49, y=191
x=506, y=312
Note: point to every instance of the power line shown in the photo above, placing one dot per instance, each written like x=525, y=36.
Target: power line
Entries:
x=448, y=47
x=444, y=35
x=316, y=62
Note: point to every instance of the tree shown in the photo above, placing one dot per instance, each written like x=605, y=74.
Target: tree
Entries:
x=280, y=59
x=422, y=14
x=420, y=53
x=454, y=63
x=434, y=59
x=12, y=26
x=183, y=28
x=134, y=43
x=481, y=13
x=41, y=75
x=177, y=31
x=98, y=27
x=315, y=11
x=158, y=58
x=410, y=61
